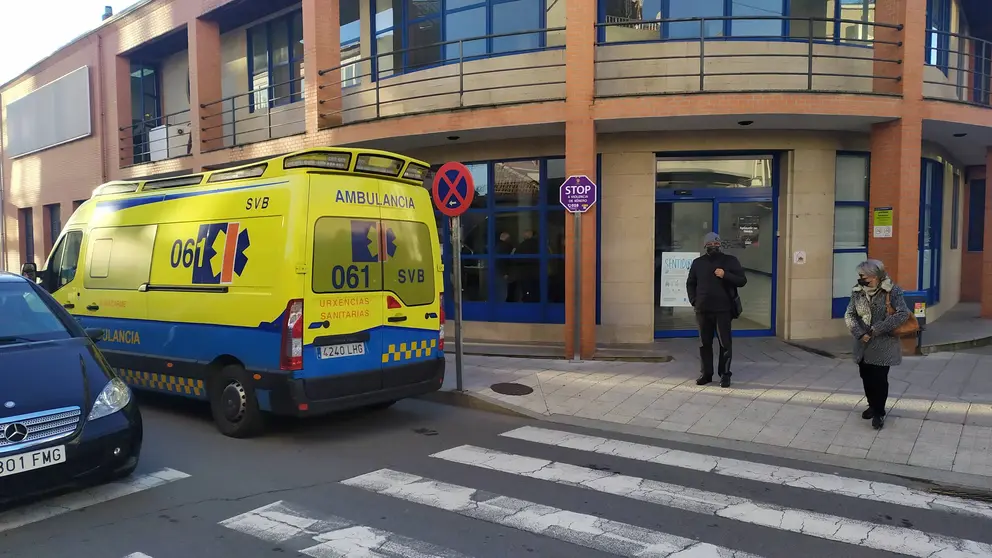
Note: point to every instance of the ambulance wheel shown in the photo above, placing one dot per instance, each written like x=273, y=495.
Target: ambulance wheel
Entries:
x=233, y=404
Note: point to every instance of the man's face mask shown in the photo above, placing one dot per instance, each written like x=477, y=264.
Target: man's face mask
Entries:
x=712, y=248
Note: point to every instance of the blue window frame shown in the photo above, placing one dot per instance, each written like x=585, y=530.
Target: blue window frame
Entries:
x=419, y=33
x=938, y=43
x=852, y=188
x=275, y=62
x=930, y=236
x=350, y=42
x=751, y=19
x=513, y=243
x=982, y=61
x=976, y=216
x=146, y=107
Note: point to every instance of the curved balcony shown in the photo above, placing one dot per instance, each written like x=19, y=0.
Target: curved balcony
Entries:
x=958, y=69
x=641, y=57
x=443, y=76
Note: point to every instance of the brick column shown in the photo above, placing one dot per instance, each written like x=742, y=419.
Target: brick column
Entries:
x=205, y=87
x=122, y=118
x=986, y=279
x=322, y=51
x=580, y=158
x=896, y=146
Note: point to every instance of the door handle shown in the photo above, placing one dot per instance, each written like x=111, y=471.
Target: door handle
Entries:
x=324, y=324
x=68, y=306
x=394, y=319
x=92, y=307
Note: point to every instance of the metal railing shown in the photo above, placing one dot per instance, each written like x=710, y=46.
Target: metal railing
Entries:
x=803, y=58
x=261, y=114
x=960, y=68
x=444, y=76
x=171, y=139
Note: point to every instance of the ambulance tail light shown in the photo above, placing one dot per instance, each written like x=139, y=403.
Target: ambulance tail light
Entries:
x=291, y=356
x=440, y=333
x=392, y=303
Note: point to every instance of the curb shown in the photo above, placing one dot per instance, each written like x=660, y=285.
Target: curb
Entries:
x=937, y=481
x=956, y=346
x=546, y=353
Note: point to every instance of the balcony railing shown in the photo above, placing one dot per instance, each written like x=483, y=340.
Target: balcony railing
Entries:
x=448, y=75
x=643, y=58
x=958, y=68
x=264, y=113
x=156, y=139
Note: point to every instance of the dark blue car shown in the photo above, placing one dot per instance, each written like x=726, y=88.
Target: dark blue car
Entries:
x=66, y=419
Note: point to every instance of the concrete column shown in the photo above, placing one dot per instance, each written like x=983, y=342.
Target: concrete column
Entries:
x=986, y=275
x=322, y=51
x=205, y=87
x=580, y=158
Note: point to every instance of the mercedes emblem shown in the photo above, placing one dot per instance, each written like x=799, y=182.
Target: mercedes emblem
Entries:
x=16, y=432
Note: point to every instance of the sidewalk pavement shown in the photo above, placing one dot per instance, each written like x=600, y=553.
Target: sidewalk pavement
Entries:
x=940, y=414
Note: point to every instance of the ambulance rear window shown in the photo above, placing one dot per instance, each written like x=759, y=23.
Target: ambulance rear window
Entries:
x=346, y=255
x=409, y=264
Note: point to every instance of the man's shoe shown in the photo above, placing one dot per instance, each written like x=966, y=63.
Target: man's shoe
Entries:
x=725, y=381
x=878, y=422
x=703, y=379
x=867, y=414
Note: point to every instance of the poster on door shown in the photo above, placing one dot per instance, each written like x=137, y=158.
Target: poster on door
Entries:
x=674, y=272
x=748, y=227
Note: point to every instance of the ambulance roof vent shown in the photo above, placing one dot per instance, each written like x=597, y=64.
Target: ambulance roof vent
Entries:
x=116, y=188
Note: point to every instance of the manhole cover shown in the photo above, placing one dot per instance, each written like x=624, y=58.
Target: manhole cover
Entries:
x=511, y=389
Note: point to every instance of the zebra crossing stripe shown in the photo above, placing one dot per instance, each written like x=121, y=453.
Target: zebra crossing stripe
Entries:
x=613, y=537
x=73, y=501
x=889, y=538
x=280, y=522
x=736, y=468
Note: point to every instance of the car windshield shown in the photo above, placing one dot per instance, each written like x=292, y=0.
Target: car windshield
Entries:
x=24, y=316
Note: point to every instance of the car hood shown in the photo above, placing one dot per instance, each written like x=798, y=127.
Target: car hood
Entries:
x=49, y=375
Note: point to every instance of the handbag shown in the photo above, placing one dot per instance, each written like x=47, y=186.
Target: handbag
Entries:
x=735, y=299
x=905, y=329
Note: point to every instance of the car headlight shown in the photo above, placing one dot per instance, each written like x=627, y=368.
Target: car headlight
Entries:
x=114, y=397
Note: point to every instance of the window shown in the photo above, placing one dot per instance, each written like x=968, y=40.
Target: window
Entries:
x=53, y=215
x=27, y=315
x=275, y=62
x=351, y=47
x=346, y=256
x=851, y=195
x=983, y=72
x=955, y=210
x=64, y=261
x=146, y=108
x=931, y=218
x=513, y=243
x=976, y=216
x=25, y=218
x=938, y=33
x=76, y=204
x=830, y=20
x=120, y=258
x=409, y=269
x=409, y=34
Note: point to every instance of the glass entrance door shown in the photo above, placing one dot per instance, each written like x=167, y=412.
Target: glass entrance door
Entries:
x=747, y=230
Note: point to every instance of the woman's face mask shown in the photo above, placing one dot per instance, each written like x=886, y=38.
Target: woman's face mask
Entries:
x=866, y=281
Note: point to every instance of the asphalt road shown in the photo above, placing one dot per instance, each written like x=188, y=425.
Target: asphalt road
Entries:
x=425, y=480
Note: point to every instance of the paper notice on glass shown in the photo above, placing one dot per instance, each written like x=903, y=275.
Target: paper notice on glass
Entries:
x=674, y=272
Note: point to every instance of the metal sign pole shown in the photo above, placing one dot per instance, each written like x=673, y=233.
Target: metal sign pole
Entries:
x=456, y=257
x=577, y=282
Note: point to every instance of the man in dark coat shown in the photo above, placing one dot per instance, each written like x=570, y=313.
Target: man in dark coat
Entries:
x=712, y=287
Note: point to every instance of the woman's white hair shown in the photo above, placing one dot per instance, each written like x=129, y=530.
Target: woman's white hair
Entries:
x=872, y=268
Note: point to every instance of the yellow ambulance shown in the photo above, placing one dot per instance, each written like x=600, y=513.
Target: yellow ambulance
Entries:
x=300, y=285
